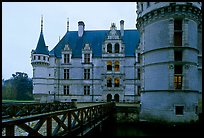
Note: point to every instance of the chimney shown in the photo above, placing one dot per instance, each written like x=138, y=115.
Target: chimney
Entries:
x=122, y=27
x=80, y=28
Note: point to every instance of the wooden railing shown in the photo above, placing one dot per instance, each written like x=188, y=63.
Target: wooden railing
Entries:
x=25, y=109
x=59, y=123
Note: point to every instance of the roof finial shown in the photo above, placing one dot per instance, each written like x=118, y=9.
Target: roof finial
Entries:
x=41, y=23
x=67, y=24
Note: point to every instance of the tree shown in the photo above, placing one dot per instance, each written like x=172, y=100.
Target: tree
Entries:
x=19, y=87
x=23, y=86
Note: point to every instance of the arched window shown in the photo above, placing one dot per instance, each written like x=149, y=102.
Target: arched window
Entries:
x=109, y=66
x=117, y=66
x=109, y=82
x=117, y=48
x=116, y=82
x=109, y=48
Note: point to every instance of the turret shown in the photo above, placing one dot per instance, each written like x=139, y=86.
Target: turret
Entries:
x=40, y=63
x=169, y=52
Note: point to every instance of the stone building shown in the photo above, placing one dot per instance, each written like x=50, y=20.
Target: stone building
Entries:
x=88, y=65
x=171, y=60
x=160, y=64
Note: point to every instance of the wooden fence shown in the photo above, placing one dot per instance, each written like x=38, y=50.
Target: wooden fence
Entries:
x=25, y=109
x=59, y=123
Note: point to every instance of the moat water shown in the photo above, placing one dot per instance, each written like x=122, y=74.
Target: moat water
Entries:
x=147, y=129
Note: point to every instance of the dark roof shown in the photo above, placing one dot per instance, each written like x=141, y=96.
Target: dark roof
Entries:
x=41, y=47
x=95, y=38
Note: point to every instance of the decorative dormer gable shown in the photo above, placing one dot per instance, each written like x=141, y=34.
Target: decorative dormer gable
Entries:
x=113, y=43
x=66, y=54
x=87, y=47
x=113, y=32
x=87, y=54
x=67, y=48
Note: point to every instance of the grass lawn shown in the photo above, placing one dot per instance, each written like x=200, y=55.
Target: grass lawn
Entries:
x=18, y=101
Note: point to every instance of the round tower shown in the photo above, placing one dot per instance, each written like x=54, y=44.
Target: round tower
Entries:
x=40, y=63
x=170, y=49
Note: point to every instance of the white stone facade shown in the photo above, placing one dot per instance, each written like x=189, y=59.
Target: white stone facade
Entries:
x=49, y=76
x=170, y=50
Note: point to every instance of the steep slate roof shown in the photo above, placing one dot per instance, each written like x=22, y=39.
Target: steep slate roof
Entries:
x=41, y=47
x=95, y=38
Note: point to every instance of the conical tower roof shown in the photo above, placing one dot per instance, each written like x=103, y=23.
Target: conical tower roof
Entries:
x=41, y=47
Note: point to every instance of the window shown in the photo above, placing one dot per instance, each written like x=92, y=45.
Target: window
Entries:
x=196, y=110
x=179, y=110
x=178, y=82
x=178, y=55
x=117, y=66
x=43, y=57
x=86, y=58
x=86, y=90
x=178, y=25
x=66, y=58
x=178, y=76
x=66, y=74
x=139, y=90
x=117, y=48
x=34, y=57
x=138, y=57
x=109, y=82
x=178, y=69
x=109, y=66
x=66, y=90
x=177, y=38
x=86, y=74
x=109, y=48
x=178, y=32
x=148, y=4
x=116, y=82
x=38, y=57
x=141, y=7
x=138, y=74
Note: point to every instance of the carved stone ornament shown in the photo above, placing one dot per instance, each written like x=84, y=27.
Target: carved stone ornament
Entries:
x=171, y=66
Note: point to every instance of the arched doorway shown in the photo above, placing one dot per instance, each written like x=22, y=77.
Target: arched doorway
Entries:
x=109, y=98
x=116, y=97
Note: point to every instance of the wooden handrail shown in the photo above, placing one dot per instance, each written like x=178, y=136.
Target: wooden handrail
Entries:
x=15, y=110
x=64, y=122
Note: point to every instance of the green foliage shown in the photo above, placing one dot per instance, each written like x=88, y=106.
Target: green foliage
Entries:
x=19, y=87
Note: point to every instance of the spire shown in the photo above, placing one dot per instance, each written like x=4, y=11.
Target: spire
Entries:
x=41, y=46
x=41, y=23
x=67, y=24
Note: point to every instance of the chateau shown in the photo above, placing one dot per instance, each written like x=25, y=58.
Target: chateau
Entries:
x=159, y=63
x=90, y=66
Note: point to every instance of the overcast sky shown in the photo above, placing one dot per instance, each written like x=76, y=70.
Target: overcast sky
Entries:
x=21, y=26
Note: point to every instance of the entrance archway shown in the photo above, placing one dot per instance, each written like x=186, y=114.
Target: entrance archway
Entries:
x=116, y=97
x=109, y=98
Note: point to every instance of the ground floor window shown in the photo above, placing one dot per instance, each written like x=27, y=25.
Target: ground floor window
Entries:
x=179, y=110
x=66, y=90
x=86, y=90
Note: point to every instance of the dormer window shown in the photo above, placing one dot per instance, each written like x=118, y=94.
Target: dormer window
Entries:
x=66, y=54
x=66, y=58
x=109, y=48
x=117, y=48
x=86, y=58
x=86, y=54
